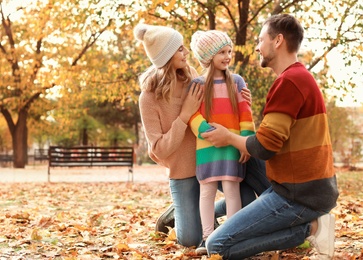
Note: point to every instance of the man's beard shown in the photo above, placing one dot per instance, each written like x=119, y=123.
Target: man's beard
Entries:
x=264, y=61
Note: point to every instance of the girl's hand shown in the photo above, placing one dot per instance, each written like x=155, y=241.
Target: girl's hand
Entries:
x=192, y=102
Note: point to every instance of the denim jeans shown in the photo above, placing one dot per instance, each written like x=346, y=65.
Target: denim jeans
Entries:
x=185, y=195
x=255, y=183
x=271, y=222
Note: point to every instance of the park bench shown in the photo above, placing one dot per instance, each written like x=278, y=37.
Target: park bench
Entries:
x=91, y=156
x=6, y=159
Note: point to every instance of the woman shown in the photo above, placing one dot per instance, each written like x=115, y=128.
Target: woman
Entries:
x=165, y=108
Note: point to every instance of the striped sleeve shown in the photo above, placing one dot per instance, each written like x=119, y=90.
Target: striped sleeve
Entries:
x=246, y=123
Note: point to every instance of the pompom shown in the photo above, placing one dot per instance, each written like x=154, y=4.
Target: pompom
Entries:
x=139, y=31
x=160, y=42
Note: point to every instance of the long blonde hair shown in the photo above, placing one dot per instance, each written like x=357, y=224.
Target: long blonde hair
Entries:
x=209, y=90
x=160, y=80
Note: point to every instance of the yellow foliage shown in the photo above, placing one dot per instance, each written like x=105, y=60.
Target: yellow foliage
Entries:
x=169, y=6
x=35, y=235
x=172, y=235
x=122, y=247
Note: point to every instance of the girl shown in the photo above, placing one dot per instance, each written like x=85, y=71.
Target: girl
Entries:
x=222, y=104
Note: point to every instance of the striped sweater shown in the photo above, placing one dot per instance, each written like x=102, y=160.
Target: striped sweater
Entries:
x=215, y=164
x=295, y=130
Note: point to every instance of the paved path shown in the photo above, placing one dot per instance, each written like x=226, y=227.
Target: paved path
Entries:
x=39, y=173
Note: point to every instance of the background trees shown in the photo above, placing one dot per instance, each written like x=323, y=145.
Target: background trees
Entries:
x=69, y=68
x=43, y=45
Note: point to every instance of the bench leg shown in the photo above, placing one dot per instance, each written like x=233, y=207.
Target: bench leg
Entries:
x=131, y=172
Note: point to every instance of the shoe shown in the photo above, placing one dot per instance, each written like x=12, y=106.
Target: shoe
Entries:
x=216, y=223
x=165, y=220
x=201, y=249
x=323, y=240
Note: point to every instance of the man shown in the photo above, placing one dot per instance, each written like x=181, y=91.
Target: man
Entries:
x=294, y=140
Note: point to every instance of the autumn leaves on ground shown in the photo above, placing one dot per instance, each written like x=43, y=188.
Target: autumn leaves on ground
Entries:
x=117, y=220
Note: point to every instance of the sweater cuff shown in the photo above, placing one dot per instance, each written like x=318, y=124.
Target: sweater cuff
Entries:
x=255, y=149
x=180, y=123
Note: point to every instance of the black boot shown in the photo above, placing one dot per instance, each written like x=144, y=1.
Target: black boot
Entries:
x=165, y=219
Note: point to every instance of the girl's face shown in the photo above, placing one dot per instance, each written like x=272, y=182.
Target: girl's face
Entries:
x=179, y=60
x=222, y=59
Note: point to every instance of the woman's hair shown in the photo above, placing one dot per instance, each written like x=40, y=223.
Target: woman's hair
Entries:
x=209, y=91
x=289, y=27
x=160, y=80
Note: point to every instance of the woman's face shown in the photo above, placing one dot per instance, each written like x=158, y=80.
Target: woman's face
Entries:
x=179, y=60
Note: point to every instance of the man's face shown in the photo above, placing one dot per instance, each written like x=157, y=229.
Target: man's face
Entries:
x=265, y=48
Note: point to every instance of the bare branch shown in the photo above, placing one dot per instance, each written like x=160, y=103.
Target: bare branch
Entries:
x=229, y=14
x=279, y=8
x=259, y=10
x=8, y=118
x=335, y=42
x=92, y=39
x=6, y=23
x=31, y=100
x=38, y=60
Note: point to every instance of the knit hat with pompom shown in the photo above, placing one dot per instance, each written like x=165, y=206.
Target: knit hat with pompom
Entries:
x=160, y=42
x=206, y=44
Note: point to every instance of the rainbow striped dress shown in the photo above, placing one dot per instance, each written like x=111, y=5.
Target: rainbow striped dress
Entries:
x=217, y=164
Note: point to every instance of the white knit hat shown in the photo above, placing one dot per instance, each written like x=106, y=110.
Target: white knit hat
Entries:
x=160, y=42
x=206, y=44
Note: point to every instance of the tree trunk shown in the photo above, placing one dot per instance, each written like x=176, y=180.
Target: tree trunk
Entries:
x=84, y=137
x=19, y=135
x=241, y=36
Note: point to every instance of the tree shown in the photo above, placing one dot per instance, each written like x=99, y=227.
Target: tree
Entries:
x=57, y=56
x=330, y=25
x=340, y=127
x=41, y=46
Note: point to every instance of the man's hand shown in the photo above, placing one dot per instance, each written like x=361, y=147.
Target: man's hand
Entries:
x=244, y=158
x=218, y=137
x=221, y=136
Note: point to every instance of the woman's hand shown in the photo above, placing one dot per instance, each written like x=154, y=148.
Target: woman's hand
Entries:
x=192, y=102
x=246, y=94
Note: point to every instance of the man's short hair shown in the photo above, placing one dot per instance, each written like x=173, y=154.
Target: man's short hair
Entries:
x=289, y=27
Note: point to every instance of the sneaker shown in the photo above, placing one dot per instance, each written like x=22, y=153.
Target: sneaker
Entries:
x=165, y=220
x=216, y=223
x=323, y=240
x=201, y=249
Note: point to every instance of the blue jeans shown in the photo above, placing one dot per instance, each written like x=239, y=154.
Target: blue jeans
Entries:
x=255, y=183
x=271, y=222
x=185, y=195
